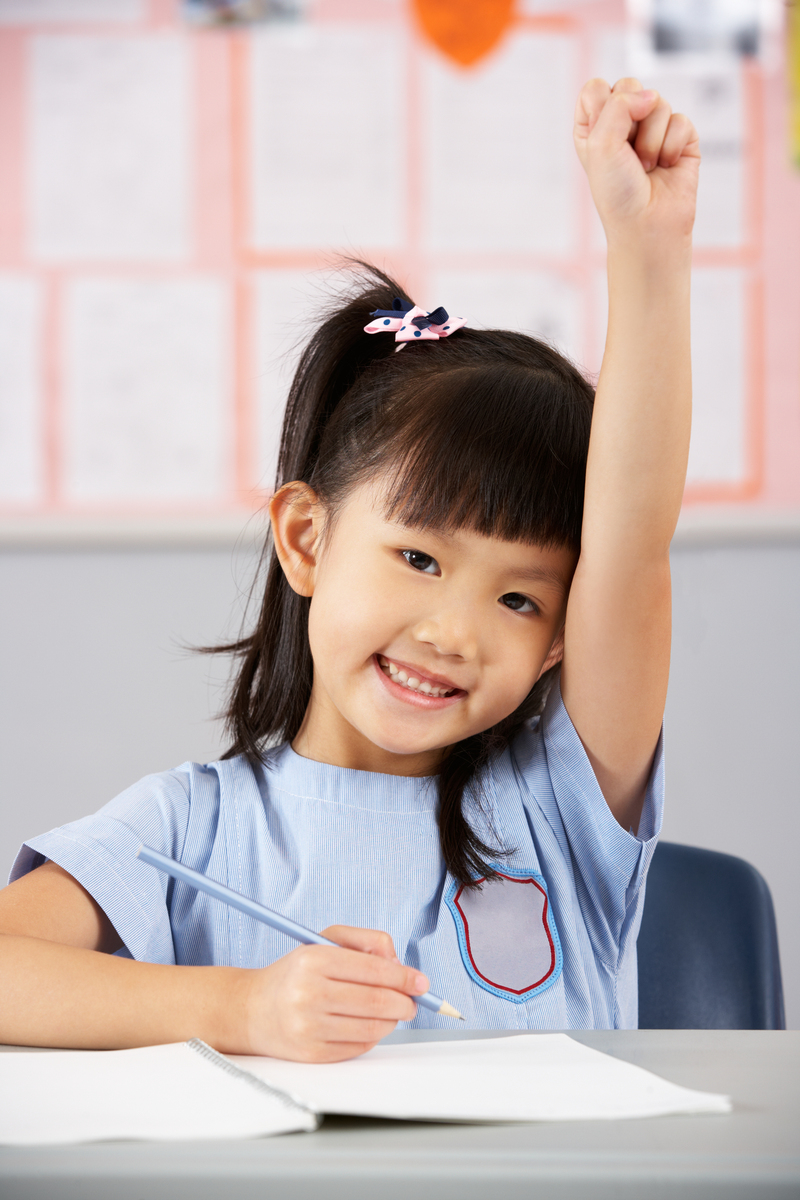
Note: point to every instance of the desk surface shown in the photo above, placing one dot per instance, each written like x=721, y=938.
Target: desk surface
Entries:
x=751, y=1154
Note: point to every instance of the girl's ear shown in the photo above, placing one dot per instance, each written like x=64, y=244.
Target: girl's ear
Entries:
x=296, y=516
x=555, y=653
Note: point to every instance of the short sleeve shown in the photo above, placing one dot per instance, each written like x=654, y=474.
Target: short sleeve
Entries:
x=100, y=852
x=609, y=864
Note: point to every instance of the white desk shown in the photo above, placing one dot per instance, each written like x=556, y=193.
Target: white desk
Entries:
x=751, y=1154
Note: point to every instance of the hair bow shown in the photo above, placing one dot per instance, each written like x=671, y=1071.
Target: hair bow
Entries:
x=408, y=322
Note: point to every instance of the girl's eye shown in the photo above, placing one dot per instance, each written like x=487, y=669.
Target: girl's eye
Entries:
x=421, y=562
x=518, y=603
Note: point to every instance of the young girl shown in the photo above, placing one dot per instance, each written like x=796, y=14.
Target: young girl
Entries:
x=446, y=722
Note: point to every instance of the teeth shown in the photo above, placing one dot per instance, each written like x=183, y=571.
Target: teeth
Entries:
x=411, y=682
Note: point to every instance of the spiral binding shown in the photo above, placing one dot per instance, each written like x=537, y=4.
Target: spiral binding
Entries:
x=224, y=1064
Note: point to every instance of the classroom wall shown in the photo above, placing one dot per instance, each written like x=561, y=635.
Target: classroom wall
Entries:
x=97, y=691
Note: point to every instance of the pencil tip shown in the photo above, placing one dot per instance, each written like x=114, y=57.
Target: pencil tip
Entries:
x=447, y=1010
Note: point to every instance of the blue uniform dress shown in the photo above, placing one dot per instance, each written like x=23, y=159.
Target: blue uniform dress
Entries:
x=551, y=944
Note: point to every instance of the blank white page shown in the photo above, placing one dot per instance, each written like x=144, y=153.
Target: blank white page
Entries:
x=158, y=1093
x=109, y=154
x=500, y=172
x=719, y=451
x=147, y=390
x=533, y=1077
x=327, y=154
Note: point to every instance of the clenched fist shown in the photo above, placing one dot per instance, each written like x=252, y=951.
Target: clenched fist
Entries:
x=641, y=159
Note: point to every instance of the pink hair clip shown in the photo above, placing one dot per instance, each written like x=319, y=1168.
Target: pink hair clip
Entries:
x=409, y=323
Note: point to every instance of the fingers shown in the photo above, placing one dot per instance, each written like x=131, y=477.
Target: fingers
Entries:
x=368, y=941
x=680, y=141
x=651, y=133
x=629, y=112
x=352, y=966
x=622, y=114
x=320, y=1036
x=365, y=1004
x=335, y=1040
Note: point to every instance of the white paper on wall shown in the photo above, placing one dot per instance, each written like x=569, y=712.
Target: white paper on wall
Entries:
x=328, y=137
x=719, y=371
x=718, y=451
x=21, y=424
x=499, y=159
x=109, y=147
x=32, y=12
x=537, y=302
x=147, y=390
x=288, y=304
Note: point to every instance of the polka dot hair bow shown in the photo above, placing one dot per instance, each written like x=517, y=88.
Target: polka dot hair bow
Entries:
x=409, y=323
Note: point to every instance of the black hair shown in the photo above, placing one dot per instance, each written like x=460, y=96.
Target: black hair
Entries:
x=486, y=430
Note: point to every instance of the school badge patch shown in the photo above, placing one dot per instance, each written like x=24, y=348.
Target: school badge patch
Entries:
x=507, y=935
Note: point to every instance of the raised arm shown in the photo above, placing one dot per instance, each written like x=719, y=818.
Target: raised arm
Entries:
x=642, y=163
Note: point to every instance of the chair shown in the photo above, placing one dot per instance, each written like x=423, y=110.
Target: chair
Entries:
x=708, y=946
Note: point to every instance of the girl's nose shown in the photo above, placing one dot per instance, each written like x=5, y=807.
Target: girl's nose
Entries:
x=452, y=632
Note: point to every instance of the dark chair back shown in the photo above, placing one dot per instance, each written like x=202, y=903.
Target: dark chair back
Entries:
x=708, y=946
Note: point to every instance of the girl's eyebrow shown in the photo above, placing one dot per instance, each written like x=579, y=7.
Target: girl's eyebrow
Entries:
x=540, y=575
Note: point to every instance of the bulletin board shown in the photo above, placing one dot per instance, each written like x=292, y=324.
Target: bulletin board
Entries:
x=174, y=199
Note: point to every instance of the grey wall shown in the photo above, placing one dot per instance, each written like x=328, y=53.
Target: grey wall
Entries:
x=97, y=691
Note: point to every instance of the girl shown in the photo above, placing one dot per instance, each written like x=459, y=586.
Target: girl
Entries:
x=446, y=722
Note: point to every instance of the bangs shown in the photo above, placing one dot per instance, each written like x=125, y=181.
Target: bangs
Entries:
x=497, y=449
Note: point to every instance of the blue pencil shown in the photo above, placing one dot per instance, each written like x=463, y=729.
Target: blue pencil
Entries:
x=265, y=915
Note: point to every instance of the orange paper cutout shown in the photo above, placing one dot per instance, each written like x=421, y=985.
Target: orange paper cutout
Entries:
x=464, y=30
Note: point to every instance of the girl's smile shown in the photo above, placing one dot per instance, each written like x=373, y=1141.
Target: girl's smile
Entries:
x=413, y=686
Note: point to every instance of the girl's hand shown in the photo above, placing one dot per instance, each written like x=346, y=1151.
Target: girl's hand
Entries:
x=642, y=160
x=318, y=1004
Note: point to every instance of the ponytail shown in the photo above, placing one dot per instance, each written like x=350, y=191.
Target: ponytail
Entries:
x=328, y=368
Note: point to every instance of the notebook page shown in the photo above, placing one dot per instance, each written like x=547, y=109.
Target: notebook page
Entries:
x=157, y=1093
x=533, y=1077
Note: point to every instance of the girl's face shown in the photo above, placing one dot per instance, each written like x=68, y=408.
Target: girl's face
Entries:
x=419, y=639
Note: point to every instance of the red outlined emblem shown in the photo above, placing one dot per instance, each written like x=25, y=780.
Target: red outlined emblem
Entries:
x=506, y=934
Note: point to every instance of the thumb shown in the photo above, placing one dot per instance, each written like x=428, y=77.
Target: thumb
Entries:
x=593, y=97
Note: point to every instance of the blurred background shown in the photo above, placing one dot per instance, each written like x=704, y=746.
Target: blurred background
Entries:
x=176, y=182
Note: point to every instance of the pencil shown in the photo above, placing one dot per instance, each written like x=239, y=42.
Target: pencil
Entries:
x=266, y=915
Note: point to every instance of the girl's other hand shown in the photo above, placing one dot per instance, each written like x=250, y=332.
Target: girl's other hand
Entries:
x=641, y=159
x=319, y=1004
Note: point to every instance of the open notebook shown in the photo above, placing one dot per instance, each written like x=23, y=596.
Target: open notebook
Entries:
x=189, y=1091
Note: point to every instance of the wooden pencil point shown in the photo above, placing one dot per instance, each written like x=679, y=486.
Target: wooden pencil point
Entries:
x=447, y=1010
